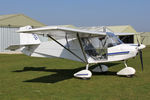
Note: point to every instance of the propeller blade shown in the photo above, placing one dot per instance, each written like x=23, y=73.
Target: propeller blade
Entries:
x=141, y=58
x=138, y=42
x=142, y=40
x=140, y=52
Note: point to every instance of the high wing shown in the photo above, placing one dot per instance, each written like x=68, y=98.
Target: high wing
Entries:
x=59, y=31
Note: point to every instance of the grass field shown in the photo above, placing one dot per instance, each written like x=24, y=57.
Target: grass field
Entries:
x=28, y=78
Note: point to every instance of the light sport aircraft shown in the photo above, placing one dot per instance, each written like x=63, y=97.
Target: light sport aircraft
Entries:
x=90, y=47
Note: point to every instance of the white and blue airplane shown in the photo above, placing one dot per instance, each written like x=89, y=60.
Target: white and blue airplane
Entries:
x=90, y=47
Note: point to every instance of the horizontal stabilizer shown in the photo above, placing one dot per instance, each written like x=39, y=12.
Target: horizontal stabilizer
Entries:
x=14, y=47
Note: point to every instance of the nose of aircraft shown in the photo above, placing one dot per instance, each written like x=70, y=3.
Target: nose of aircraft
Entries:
x=142, y=46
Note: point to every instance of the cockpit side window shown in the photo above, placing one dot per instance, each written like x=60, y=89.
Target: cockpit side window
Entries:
x=94, y=47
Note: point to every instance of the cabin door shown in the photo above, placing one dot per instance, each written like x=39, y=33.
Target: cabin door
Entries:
x=95, y=47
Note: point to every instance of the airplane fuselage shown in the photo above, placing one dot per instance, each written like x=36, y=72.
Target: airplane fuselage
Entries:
x=52, y=49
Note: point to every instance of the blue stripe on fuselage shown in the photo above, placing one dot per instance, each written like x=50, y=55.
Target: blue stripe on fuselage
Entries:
x=118, y=53
x=134, y=45
x=81, y=74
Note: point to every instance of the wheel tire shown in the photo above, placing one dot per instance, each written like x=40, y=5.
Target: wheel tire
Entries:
x=129, y=76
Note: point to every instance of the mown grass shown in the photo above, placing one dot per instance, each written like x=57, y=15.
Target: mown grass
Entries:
x=29, y=78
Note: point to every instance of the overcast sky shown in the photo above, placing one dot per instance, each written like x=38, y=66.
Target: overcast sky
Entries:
x=83, y=12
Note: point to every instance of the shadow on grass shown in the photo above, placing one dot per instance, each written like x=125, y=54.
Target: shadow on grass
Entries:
x=61, y=74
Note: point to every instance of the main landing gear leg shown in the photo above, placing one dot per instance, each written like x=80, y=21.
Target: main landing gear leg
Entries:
x=85, y=74
x=127, y=71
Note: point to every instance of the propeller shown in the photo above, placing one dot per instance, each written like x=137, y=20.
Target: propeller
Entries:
x=140, y=53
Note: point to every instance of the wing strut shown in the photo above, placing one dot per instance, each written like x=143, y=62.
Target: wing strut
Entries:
x=66, y=48
x=66, y=37
x=82, y=48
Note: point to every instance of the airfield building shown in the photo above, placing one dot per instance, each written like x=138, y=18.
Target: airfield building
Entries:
x=145, y=37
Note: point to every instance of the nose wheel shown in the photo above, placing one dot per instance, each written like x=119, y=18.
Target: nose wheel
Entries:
x=127, y=71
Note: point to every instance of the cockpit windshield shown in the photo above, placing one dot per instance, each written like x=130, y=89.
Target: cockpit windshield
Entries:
x=112, y=40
